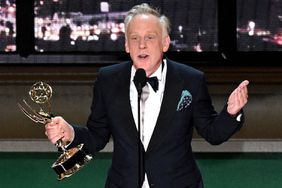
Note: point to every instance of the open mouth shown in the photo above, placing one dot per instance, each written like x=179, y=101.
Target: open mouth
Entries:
x=143, y=56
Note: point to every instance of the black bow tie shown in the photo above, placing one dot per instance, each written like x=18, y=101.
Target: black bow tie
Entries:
x=154, y=82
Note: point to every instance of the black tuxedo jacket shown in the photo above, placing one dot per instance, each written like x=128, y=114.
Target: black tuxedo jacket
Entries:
x=169, y=162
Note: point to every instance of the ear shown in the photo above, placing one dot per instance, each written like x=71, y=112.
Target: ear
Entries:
x=166, y=43
x=126, y=46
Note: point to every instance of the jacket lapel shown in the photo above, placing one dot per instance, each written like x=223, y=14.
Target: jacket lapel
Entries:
x=172, y=93
x=125, y=116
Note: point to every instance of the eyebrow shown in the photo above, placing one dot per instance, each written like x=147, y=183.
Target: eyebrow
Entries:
x=150, y=32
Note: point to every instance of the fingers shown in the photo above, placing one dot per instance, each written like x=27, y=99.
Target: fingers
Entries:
x=241, y=97
x=53, y=132
x=243, y=91
x=238, y=98
x=242, y=88
x=54, y=136
x=56, y=129
x=244, y=83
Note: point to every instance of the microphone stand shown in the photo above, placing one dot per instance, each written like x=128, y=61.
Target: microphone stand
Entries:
x=140, y=146
x=140, y=80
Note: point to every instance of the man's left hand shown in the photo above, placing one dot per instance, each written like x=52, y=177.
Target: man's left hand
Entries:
x=238, y=98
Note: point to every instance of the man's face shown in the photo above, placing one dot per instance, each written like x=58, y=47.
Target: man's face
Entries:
x=146, y=42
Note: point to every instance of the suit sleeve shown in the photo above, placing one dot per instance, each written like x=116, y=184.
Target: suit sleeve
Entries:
x=97, y=133
x=214, y=128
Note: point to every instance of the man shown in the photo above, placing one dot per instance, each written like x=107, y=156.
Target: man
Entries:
x=180, y=103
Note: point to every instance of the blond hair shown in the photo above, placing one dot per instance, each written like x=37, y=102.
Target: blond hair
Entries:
x=146, y=9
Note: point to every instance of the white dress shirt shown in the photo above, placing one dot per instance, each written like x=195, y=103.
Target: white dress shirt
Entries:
x=151, y=109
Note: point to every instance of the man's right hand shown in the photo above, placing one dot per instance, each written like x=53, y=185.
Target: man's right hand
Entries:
x=57, y=129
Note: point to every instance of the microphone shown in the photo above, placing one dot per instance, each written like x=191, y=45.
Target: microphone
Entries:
x=140, y=80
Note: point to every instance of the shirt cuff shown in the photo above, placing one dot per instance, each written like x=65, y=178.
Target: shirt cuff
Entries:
x=239, y=117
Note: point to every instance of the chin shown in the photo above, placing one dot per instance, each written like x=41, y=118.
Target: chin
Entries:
x=142, y=64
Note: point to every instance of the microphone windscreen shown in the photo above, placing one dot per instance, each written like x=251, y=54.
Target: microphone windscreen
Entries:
x=140, y=78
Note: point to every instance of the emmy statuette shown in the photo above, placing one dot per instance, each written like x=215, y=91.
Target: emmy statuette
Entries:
x=71, y=160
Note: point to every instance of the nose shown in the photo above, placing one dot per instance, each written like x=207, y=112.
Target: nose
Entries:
x=142, y=43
